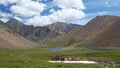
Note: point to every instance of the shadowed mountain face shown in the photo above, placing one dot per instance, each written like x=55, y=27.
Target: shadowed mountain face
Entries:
x=62, y=27
x=9, y=38
x=30, y=32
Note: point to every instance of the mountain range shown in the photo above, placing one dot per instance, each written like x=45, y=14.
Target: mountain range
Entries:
x=102, y=31
x=30, y=32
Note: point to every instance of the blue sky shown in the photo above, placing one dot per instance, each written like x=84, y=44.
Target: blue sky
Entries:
x=44, y=12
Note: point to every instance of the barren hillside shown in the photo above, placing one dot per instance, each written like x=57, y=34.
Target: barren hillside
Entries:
x=11, y=39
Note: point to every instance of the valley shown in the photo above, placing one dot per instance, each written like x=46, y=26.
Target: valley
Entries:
x=25, y=46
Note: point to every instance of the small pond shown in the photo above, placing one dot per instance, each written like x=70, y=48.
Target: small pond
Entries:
x=58, y=49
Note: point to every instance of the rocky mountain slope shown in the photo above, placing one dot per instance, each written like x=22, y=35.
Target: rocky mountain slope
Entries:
x=11, y=39
x=30, y=32
x=61, y=27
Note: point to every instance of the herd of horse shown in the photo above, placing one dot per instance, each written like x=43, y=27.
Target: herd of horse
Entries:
x=63, y=58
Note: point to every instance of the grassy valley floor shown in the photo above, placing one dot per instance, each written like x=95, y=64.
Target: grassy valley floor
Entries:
x=38, y=58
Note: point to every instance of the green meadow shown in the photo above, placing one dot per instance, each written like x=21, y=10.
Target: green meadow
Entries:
x=38, y=58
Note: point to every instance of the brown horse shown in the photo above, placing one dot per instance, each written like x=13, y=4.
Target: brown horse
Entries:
x=61, y=58
x=58, y=58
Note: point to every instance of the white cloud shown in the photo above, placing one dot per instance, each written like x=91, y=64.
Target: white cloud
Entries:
x=4, y=19
x=5, y=16
x=52, y=10
x=11, y=1
x=24, y=12
x=69, y=12
x=18, y=18
x=67, y=15
x=38, y=21
x=78, y=4
x=6, y=2
x=64, y=15
x=23, y=8
x=32, y=5
x=27, y=8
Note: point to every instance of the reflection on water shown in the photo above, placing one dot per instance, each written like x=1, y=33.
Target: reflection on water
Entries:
x=58, y=49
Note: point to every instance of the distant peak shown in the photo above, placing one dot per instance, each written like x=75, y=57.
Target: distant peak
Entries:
x=14, y=21
x=59, y=23
x=1, y=21
x=107, y=16
x=62, y=23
